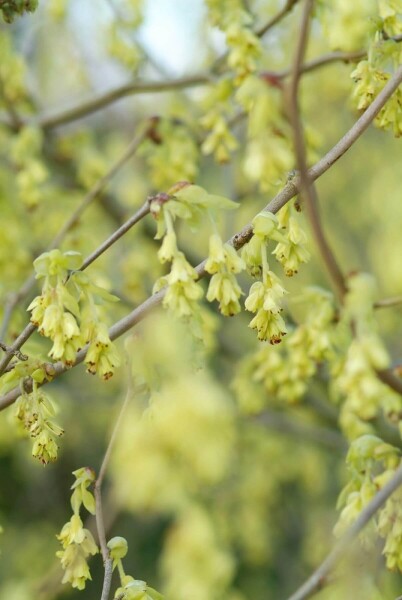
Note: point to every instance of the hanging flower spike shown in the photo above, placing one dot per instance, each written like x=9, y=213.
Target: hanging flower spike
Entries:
x=222, y=263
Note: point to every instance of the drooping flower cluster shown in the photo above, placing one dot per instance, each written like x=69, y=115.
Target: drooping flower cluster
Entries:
x=233, y=19
x=283, y=373
x=12, y=73
x=223, y=263
x=171, y=154
x=77, y=542
x=384, y=57
x=120, y=41
x=35, y=412
x=130, y=588
x=291, y=252
x=355, y=376
x=371, y=463
x=265, y=296
x=347, y=25
x=219, y=140
x=32, y=172
x=186, y=202
x=269, y=151
x=66, y=312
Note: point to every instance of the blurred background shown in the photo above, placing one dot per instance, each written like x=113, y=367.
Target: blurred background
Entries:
x=220, y=496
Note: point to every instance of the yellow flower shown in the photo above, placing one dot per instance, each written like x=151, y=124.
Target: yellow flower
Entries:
x=102, y=356
x=270, y=326
x=224, y=288
x=74, y=560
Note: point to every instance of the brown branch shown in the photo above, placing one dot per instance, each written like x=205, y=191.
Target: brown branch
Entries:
x=318, y=579
x=129, y=89
x=141, y=212
x=325, y=59
x=309, y=192
x=242, y=237
x=388, y=302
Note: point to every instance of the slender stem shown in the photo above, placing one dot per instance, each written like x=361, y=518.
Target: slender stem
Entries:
x=103, y=100
x=318, y=579
x=325, y=59
x=141, y=212
x=15, y=346
x=309, y=192
x=388, y=302
x=107, y=580
x=129, y=89
x=276, y=18
x=100, y=525
x=100, y=185
x=242, y=237
x=325, y=436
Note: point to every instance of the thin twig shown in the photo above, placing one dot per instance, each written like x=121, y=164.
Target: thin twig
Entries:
x=318, y=579
x=325, y=59
x=129, y=89
x=116, y=235
x=309, y=192
x=288, y=425
x=388, y=302
x=107, y=580
x=276, y=18
x=100, y=525
x=242, y=237
x=16, y=353
x=15, y=346
x=100, y=185
x=104, y=100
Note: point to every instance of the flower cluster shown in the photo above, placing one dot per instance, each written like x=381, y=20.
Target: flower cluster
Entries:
x=269, y=151
x=219, y=140
x=244, y=46
x=390, y=527
x=384, y=57
x=34, y=412
x=283, y=373
x=12, y=73
x=66, y=312
x=171, y=154
x=371, y=463
x=291, y=252
x=77, y=542
x=347, y=25
x=265, y=296
x=196, y=562
x=130, y=588
x=122, y=48
x=186, y=202
x=355, y=375
x=222, y=263
x=32, y=173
